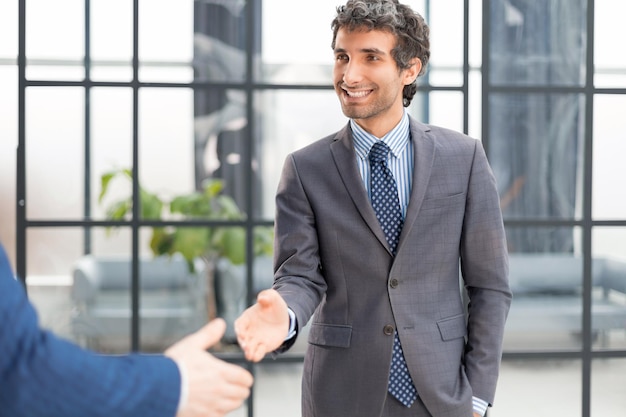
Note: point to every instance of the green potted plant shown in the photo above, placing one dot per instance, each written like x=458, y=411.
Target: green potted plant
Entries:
x=221, y=247
x=209, y=243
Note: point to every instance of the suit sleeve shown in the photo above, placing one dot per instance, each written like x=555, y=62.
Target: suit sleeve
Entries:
x=298, y=276
x=484, y=263
x=43, y=375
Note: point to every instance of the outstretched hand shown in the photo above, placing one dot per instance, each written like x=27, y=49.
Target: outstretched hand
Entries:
x=264, y=326
x=214, y=387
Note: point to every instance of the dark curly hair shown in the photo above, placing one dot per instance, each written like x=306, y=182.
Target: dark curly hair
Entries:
x=409, y=27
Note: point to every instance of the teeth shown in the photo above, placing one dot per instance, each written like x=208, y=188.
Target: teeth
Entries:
x=357, y=93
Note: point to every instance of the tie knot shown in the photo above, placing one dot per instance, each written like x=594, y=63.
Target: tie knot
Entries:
x=379, y=152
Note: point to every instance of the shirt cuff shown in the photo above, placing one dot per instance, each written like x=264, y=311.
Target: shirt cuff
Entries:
x=480, y=406
x=292, y=324
x=184, y=388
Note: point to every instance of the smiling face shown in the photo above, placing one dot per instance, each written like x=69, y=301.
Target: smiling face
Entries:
x=367, y=79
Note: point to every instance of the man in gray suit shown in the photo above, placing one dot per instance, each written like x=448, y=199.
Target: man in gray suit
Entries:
x=334, y=255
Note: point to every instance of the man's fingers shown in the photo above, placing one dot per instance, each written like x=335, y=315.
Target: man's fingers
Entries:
x=239, y=376
x=208, y=335
x=256, y=353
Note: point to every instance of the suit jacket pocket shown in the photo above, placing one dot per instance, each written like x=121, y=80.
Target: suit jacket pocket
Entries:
x=331, y=335
x=439, y=202
x=452, y=327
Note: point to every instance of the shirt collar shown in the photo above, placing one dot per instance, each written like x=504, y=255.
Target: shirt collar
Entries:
x=397, y=138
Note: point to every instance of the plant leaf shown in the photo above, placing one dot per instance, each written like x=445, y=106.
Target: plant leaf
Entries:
x=232, y=241
x=119, y=210
x=151, y=205
x=191, y=242
x=105, y=179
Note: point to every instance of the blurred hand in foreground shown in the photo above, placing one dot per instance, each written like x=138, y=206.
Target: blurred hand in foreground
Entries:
x=213, y=387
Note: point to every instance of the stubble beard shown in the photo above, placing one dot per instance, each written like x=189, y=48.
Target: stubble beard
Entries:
x=364, y=111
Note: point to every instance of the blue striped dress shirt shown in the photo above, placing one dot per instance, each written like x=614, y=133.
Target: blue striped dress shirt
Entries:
x=399, y=160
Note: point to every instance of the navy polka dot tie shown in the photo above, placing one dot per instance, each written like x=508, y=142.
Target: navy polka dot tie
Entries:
x=386, y=204
x=384, y=194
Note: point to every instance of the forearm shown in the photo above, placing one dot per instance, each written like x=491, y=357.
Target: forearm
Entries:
x=68, y=382
x=43, y=375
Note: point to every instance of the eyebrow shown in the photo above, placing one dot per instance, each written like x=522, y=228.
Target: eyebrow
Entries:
x=375, y=51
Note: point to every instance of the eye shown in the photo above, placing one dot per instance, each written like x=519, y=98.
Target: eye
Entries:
x=341, y=57
x=373, y=58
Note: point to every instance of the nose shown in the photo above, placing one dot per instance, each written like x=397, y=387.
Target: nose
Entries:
x=352, y=73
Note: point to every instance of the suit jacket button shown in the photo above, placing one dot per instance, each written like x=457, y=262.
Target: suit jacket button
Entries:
x=388, y=330
x=393, y=283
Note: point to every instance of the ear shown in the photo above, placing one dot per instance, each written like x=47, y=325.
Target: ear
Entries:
x=411, y=73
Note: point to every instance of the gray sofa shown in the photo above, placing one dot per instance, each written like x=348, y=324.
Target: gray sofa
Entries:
x=547, y=294
x=173, y=301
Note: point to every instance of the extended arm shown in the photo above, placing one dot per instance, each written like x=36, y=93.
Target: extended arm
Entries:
x=42, y=375
x=298, y=282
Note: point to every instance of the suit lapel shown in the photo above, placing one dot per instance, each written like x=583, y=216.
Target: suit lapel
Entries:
x=343, y=155
x=424, y=156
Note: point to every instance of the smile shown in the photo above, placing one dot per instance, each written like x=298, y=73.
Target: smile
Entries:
x=358, y=94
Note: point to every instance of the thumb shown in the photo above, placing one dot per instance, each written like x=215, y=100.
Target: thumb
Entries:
x=208, y=335
x=266, y=298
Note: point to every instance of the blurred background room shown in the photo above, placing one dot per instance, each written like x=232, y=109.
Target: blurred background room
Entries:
x=141, y=142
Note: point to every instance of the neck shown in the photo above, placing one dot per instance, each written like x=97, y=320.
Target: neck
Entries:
x=380, y=126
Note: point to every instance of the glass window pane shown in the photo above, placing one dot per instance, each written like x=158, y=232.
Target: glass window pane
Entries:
x=443, y=76
x=111, y=40
x=8, y=30
x=8, y=147
x=51, y=253
x=175, y=300
x=220, y=144
x=535, y=148
x=277, y=389
x=546, y=280
x=538, y=42
x=53, y=50
x=607, y=383
x=544, y=387
x=285, y=124
x=219, y=40
x=445, y=19
x=58, y=70
x=46, y=38
x=609, y=147
x=305, y=57
x=166, y=132
x=609, y=293
x=441, y=108
x=230, y=280
x=610, y=67
x=475, y=104
x=54, y=126
x=101, y=294
x=166, y=45
x=111, y=139
x=475, y=34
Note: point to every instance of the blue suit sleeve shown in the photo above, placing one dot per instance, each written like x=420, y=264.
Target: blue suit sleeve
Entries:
x=43, y=375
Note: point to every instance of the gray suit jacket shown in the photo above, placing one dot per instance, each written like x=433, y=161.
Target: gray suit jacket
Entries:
x=332, y=258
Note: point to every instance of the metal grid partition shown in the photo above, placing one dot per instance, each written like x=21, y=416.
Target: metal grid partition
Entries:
x=500, y=88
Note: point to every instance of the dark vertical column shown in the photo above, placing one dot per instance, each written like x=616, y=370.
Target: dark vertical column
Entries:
x=20, y=210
